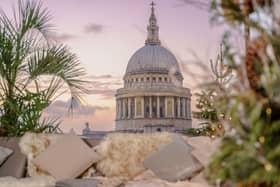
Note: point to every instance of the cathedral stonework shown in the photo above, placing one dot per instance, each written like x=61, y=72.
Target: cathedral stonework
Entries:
x=153, y=97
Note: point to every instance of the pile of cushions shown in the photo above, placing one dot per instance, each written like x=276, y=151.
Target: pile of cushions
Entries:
x=160, y=158
x=61, y=156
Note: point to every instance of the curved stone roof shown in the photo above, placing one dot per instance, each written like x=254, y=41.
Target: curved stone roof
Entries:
x=152, y=59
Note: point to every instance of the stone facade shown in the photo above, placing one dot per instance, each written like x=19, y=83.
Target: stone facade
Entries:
x=153, y=97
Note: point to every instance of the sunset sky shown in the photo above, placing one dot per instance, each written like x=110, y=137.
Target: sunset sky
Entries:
x=105, y=33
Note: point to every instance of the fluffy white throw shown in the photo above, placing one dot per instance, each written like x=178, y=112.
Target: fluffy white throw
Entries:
x=27, y=182
x=123, y=154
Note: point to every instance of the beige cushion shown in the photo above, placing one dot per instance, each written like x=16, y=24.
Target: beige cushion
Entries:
x=204, y=148
x=4, y=154
x=32, y=145
x=173, y=162
x=15, y=165
x=66, y=159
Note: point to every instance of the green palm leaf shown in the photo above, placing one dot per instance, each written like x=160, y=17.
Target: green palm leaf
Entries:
x=26, y=57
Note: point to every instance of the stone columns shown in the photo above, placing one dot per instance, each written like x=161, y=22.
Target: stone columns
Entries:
x=143, y=107
x=188, y=109
x=150, y=107
x=184, y=107
x=124, y=109
x=165, y=103
x=117, y=109
x=190, y=113
x=135, y=107
x=129, y=108
x=178, y=107
x=173, y=108
x=158, y=111
x=120, y=109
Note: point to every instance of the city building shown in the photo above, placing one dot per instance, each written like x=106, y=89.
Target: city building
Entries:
x=153, y=97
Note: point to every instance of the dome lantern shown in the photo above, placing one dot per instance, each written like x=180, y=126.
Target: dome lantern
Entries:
x=153, y=29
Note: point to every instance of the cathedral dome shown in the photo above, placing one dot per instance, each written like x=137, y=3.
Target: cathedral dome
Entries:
x=153, y=98
x=152, y=59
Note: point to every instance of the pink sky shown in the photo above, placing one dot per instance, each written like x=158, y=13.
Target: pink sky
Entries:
x=105, y=33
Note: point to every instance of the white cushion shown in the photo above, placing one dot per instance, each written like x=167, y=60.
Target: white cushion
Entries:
x=4, y=154
x=67, y=159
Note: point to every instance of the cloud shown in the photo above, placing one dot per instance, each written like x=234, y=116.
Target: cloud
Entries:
x=105, y=93
x=101, y=120
x=106, y=76
x=99, y=117
x=104, y=85
x=94, y=28
x=64, y=37
x=60, y=108
x=200, y=4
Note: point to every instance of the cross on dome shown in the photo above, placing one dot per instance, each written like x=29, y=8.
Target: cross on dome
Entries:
x=152, y=5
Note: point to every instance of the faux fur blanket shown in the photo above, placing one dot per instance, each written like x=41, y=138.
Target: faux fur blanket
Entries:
x=27, y=182
x=123, y=154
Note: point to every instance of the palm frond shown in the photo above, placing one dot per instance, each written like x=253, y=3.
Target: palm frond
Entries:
x=59, y=62
x=31, y=15
x=27, y=57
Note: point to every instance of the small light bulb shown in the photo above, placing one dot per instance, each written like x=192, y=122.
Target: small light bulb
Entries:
x=268, y=111
x=268, y=167
x=262, y=139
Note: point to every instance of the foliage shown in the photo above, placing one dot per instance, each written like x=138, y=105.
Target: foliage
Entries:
x=34, y=70
x=250, y=103
x=205, y=130
x=209, y=96
x=29, y=108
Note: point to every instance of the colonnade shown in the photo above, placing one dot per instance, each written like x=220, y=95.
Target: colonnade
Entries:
x=153, y=107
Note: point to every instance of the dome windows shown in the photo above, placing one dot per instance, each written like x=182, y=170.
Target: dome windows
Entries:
x=146, y=80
